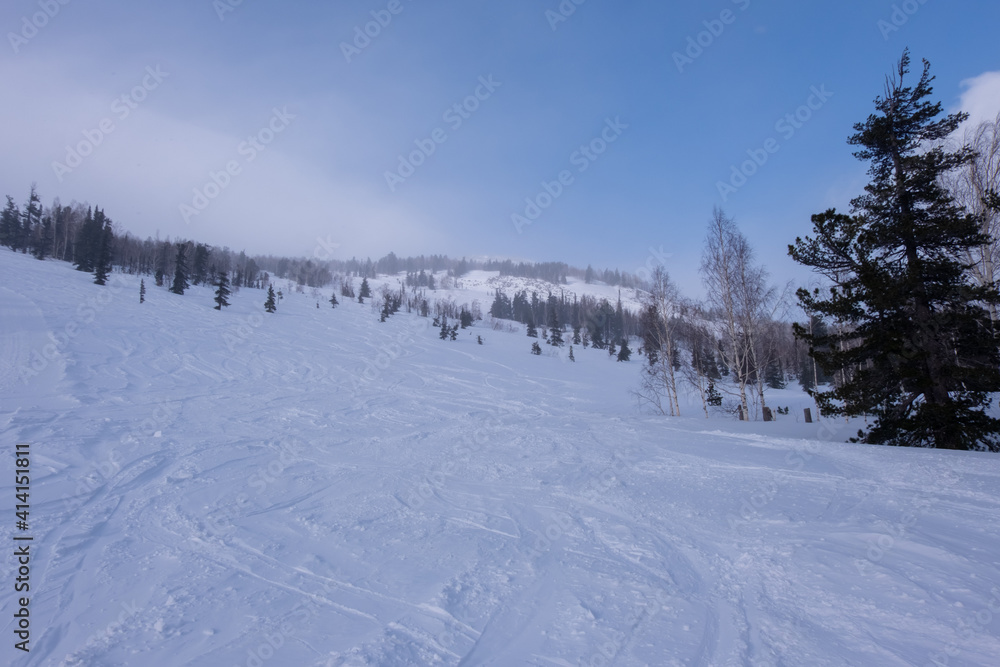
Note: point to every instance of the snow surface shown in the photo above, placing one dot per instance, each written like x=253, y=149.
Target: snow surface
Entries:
x=314, y=487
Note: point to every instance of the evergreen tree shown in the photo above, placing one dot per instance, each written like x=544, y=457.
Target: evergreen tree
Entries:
x=465, y=317
x=806, y=379
x=200, y=272
x=502, y=308
x=180, y=270
x=712, y=396
x=652, y=331
x=46, y=238
x=571, y=357
x=710, y=367
x=624, y=354
x=532, y=331
x=102, y=265
x=142, y=291
x=454, y=332
x=333, y=300
x=365, y=291
x=88, y=241
x=774, y=375
x=598, y=325
x=576, y=335
x=445, y=330
x=10, y=223
x=270, y=305
x=916, y=348
x=30, y=219
x=810, y=373
x=536, y=348
x=555, y=337
x=611, y=349
x=222, y=291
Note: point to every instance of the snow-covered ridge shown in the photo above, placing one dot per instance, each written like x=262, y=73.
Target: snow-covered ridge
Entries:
x=482, y=286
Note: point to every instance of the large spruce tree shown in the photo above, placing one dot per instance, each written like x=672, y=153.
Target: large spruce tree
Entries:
x=913, y=344
x=555, y=329
x=270, y=305
x=180, y=270
x=102, y=263
x=88, y=241
x=200, y=272
x=31, y=219
x=10, y=224
x=222, y=290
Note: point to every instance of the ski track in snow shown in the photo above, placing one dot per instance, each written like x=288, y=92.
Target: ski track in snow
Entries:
x=318, y=488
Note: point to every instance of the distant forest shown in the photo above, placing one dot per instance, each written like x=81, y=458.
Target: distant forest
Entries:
x=66, y=232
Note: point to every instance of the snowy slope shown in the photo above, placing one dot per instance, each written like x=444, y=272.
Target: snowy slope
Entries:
x=482, y=286
x=316, y=488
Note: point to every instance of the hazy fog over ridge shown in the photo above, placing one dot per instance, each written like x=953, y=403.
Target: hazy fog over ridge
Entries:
x=325, y=110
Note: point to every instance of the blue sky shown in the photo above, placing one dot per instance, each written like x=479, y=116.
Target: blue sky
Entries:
x=201, y=78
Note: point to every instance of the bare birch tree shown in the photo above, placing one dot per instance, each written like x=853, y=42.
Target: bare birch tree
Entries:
x=737, y=288
x=971, y=187
x=660, y=320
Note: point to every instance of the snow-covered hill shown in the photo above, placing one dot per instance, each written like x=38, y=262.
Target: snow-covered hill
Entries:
x=314, y=487
x=482, y=286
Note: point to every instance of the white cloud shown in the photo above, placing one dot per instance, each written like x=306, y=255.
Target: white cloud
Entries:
x=981, y=97
x=151, y=161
